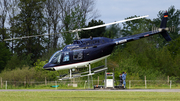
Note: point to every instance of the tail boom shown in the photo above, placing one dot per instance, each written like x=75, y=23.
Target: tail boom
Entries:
x=162, y=30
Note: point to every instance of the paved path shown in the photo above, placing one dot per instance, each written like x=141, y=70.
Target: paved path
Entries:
x=123, y=90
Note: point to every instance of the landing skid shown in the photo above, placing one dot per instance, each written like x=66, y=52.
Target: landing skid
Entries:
x=83, y=74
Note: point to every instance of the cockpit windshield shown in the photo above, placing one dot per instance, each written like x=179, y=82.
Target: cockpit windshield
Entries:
x=55, y=58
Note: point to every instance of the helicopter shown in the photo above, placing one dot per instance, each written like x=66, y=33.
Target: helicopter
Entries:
x=84, y=52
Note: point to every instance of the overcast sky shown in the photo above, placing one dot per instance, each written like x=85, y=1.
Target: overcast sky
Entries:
x=116, y=10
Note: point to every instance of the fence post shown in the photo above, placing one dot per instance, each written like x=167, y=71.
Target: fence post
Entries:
x=85, y=84
x=129, y=84
x=25, y=82
x=6, y=84
x=92, y=79
x=98, y=80
x=145, y=81
x=170, y=83
x=1, y=82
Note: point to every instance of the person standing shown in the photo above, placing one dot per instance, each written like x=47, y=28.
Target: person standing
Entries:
x=124, y=79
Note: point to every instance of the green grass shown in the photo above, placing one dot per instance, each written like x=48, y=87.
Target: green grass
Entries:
x=88, y=96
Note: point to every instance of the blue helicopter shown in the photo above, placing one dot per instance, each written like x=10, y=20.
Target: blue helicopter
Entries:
x=84, y=52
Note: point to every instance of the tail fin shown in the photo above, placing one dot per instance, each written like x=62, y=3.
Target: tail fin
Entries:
x=164, y=33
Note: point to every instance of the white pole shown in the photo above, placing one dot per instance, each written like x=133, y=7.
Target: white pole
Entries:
x=145, y=81
x=105, y=72
x=6, y=84
x=92, y=80
x=70, y=74
x=98, y=80
x=129, y=84
x=1, y=82
x=105, y=62
x=170, y=83
x=89, y=76
x=88, y=82
x=89, y=69
x=85, y=84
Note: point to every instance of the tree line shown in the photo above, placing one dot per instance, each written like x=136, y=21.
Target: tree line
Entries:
x=20, y=18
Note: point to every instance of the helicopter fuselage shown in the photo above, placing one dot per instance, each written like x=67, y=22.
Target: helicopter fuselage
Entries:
x=81, y=53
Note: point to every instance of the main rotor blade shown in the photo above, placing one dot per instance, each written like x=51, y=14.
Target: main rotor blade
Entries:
x=34, y=36
x=77, y=30
x=114, y=22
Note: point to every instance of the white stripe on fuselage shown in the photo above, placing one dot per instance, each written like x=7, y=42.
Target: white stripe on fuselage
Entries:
x=80, y=64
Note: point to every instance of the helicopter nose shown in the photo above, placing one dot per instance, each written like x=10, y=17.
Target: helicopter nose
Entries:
x=49, y=66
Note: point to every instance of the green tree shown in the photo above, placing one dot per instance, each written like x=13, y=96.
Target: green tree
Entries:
x=75, y=14
x=174, y=47
x=174, y=50
x=98, y=32
x=134, y=26
x=73, y=21
x=4, y=5
x=19, y=61
x=12, y=12
x=30, y=22
x=4, y=55
x=113, y=31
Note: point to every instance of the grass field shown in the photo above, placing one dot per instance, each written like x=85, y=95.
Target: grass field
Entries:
x=88, y=96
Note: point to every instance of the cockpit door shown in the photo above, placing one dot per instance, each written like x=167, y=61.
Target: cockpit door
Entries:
x=77, y=55
x=66, y=57
x=55, y=58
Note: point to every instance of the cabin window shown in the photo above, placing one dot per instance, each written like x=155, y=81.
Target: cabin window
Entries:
x=66, y=57
x=56, y=57
x=77, y=55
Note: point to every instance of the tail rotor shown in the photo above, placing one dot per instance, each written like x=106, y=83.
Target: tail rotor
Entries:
x=156, y=29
